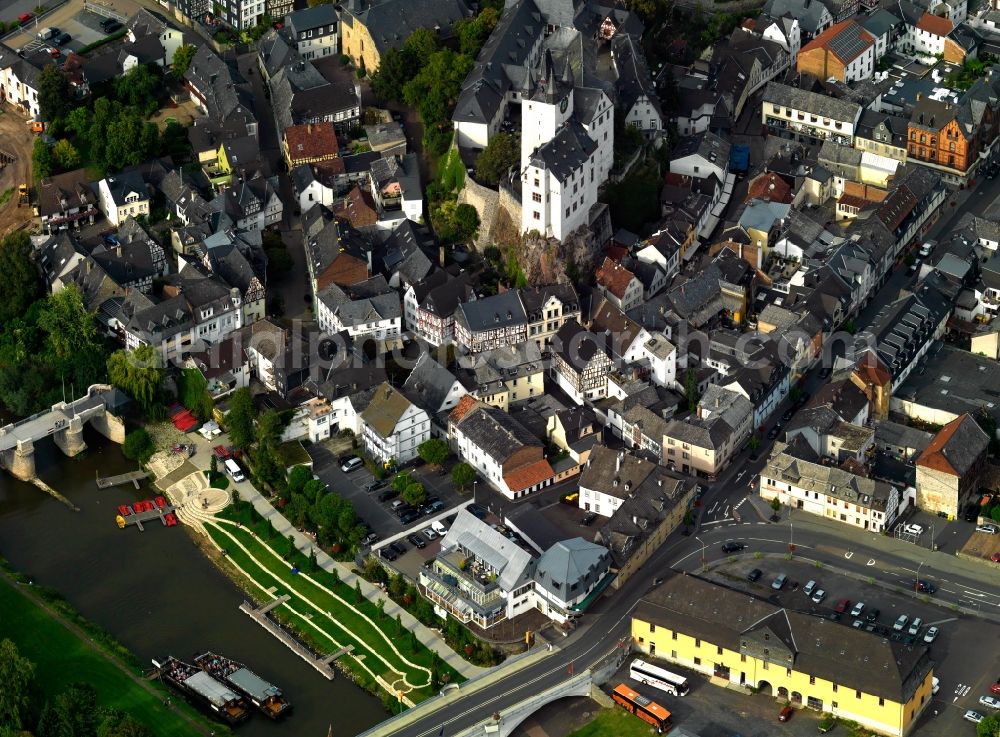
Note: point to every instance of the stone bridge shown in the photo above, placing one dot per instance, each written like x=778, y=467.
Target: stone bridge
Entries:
x=64, y=423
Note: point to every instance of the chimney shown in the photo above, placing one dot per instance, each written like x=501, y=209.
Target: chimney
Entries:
x=618, y=461
x=309, y=128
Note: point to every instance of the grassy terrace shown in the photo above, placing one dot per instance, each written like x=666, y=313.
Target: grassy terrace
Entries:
x=615, y=723
x=329, y=615
x=63, y=657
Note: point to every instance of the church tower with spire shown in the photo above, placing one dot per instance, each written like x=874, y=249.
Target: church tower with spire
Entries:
x=546, y=103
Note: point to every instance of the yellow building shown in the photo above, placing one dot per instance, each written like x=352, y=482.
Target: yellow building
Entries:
x=734, y=638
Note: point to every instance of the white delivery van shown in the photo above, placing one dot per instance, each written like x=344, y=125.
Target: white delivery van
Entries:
x=439, y=528
x=234, y=470
x=46, y=33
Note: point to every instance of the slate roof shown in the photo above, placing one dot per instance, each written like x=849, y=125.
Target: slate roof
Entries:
x=429, y=383
x=956, y=448
x=570, y=566
x=390, y=22
x=614, y=472
x=492, y=313
x=513, y=563
x=880, y=22
x=903, y=436
x=634, y=80
x=576, y=345
x=318, y=16
x=495, y=432
x=813, y=102
x=810, y=13
x=566, y=152
x=847, y=656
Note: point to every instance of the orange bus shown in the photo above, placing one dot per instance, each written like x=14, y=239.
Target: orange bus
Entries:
x=646, y=709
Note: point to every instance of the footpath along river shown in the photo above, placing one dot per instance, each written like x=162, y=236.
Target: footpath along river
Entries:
x=155, y=590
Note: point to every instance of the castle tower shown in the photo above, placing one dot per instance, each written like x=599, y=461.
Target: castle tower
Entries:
x=547, y=103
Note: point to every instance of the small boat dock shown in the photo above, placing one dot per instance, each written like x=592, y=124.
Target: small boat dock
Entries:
x=146, y=511
x=133, y=477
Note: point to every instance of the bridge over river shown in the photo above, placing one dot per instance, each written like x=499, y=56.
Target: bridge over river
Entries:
x=64, y=423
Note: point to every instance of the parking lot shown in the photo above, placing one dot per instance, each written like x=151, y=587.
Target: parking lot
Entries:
x=966, y=651
x=83, y=26
x=361, y=488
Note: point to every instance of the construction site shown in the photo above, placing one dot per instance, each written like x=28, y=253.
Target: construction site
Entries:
x=16, y=141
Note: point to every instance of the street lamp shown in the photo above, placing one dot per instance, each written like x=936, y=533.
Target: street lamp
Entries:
x=791, y=530
x=702, y=549
x=475, y=483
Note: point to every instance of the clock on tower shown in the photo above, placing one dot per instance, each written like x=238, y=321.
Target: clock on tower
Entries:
x=563, y=104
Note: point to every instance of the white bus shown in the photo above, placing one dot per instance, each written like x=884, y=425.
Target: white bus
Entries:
x=657, y=677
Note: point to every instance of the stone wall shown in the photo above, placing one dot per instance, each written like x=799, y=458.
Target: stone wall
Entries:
x=937, y=491
x=487, y=203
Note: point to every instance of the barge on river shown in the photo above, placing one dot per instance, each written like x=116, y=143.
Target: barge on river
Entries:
x=265, y=696
x=192, y=681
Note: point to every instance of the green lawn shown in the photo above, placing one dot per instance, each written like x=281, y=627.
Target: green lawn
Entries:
x=63, y=658
x=615, y=723
x=343, y=624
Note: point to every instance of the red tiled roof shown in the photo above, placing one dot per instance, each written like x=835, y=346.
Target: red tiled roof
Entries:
x=311, y=141
x=850, y=200
x=935, y=24
x=614, y=277
x=464, y=406
x=872, y=371
x=826, y=38
x=934, y=456
x=616, y=252
x=770, y=187
x=358, y=207
x=530, y=475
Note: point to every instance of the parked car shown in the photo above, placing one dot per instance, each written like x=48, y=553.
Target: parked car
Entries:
x=779, y=582
x=858, y=624
x=409, y=516
x=995, y=688
x=818, y=597
x=732, y=547
x=987, y=528
x=872, y=615
x=972, y=716
x=388, y=495
x=785, y=714
x=803, y=398
x=477, y=510
x=112, y=27
x=788, y=414
x=857, y=609
x=63, y=38
x=429, y=533
x=926, y=249
x=25, y=17
x=914, y=267
x=351, y=463
x=398, y=504
x=990, y=702
x=900, y=622
x=931, y=635
x=972, y=512
x=107, y=22
x=588, y=519
x=754, y=575
x=825, y=372
x=995, y=557
x=809, y=587
x=371, y=538
x=842, y=606
x=416, y=541
x=774, y=431
x=388, y=553
x=913, y=529
x=398, y=547
x=375, y=485
x=915, y=626
x=935, y=685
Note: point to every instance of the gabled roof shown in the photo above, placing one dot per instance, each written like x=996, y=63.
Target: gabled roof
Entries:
x=614, y=277
x=935, y=25
x=956, y=448
x=387, y=407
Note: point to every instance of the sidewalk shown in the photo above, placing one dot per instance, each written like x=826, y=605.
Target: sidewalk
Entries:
x=428, y=637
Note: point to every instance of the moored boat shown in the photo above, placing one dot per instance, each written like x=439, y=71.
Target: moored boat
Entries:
x=189, y=680
x=266, y=697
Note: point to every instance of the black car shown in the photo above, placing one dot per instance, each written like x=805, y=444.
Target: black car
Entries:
x=774, y=432
x=432, y=507
x=112, y=27
x=388, y=553
x=375, y=485
x=388, y=495
x=972, y=512
x=733, y=547
x=403, y=509
x=872, y=615
x=788, y=414
x=825, y=371
x=416, y=541
x=62, y=39
x=754, y=575
x=477, y=510
x=398, y=547
x=588, y=519
x=924, y=587
x=409, y=516
x=107, y=22
x=803, y=398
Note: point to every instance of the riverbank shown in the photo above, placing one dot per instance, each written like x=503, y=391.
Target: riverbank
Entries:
x=64, y=654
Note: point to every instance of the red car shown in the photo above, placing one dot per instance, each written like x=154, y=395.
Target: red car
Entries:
x=25, y=17
x=995, y=557
x=995, y=688
x=842, y=606
x=220, y=452
x=785, y=714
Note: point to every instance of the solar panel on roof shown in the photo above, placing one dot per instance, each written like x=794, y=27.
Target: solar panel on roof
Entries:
x=848, y=44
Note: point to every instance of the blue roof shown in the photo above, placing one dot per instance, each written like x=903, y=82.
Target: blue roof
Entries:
x=739, y=157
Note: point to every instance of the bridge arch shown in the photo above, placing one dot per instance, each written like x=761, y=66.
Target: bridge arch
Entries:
x=765, y=688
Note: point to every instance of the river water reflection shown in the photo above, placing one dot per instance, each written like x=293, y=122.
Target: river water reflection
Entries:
x=154, y=590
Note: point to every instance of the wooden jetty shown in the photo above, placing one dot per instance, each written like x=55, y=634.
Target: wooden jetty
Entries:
x=137, y=518
x=133, y=477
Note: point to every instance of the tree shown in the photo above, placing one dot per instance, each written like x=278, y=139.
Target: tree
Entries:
x=20, y=285
x=776, y=504
x=691, y=389
x=194, y=394
x=241, y=417
x=473, y=32
x=500, y=154
x=42, y=162
x=434, y=452
x=17, y=697
x=401, y=480
x=462, y=475
x=433, y=91
x=414, y=493
x=213, y=467
x=138, y=373
x=182, y=59
x=54, y=99
x=114, y=723
x=77, y=706
x=298, y=477
x=139, y=87
x=71, y=329
x=138, y=446
x=453, y=222
x=65, y=155
x=989, y=727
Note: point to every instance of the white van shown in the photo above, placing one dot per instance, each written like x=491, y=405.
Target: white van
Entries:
x=234, y=470
x=439, y=528
x=46, y=33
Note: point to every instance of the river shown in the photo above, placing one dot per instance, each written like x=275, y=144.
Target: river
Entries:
x=155, y=590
